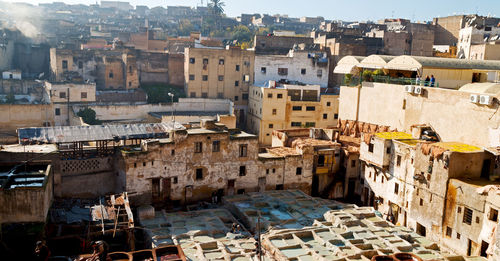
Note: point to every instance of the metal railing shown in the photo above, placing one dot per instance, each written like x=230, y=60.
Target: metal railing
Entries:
x=355, y=80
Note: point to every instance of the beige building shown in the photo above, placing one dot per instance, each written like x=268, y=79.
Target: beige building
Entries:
x=192, y=164
x=289, y=106
x=109, y=69
x=486, y=51
x=64, y=95
x=427, y=185
x=220, y=73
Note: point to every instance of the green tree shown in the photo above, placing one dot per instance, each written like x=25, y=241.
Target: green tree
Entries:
x=217, y=7
x=185, y=27
x=241, y=34
x=89, y=116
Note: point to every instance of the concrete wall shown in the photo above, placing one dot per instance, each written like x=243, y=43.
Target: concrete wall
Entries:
x=388, y=104
x=24, y=205
x=176, y=69
x=134, y=112
x=14, y=116
x=295, y=62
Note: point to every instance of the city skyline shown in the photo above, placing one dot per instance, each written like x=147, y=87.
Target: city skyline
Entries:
x=341, y=10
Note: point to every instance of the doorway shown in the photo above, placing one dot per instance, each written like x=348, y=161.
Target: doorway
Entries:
x=485, y=171
x=484, y=247
x=166, y=188
x=421, y=230
x=262, y=184
x=230, y=187
x=351, y=188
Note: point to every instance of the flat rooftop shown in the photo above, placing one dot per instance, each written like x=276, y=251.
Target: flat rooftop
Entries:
x=294, y=226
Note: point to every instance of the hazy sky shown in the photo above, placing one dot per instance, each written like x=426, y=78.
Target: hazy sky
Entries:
x=334, y=9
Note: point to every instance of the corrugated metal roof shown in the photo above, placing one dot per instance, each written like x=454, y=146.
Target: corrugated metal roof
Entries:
x=66, y=134
x=406, y=62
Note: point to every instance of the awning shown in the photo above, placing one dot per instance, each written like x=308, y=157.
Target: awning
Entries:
x=376, y=61
x=348, y=65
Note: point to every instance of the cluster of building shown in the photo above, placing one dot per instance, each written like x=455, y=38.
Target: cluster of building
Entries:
x=345, y=113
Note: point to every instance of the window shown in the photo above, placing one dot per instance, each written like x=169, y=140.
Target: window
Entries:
x=270, y=95
x=65, y=64
x=467, y=216
x=130, y=69
x=274, y=170
x=493, y=216
x=319, y=73
x=328, y=104
x=237, y=67
x=135, y=165
x=263, y=70
x=221, y=78
x=236, y=98
x=336, y=116
x=246, y=78
x=448, y=231
x=243, y=150
x=62, y=95
x=280, y=95
x=321, y=160
x=129, y=84
x=204, y=78
x=477, y=220
x=199, y=174
x=421, y=202
x=155, y=187
x=193, y=94
x=144, y=164
x=274, y=111
x=297, y=108
x=279, y=187
x=58, y=112
x=83, y=95
x=325, y=116
x=271, y=126
x=241, y=191
x=244, y=96
x=243, y=171
x=172, y=153
x=296, y=124
x=221, y=61
x=198, y=147
x=175, y=180
x=302, y=71
x=220, y=95
x=267, y=171
x=205, y=61
x=191, y=77
x=236, y=83
x=398, y=160
x=370, y=147
x=396, y=188
x=353, y=163
x=204, y=95
x=310, y=124
x=192, y=60
x=388, y=150
x=458, y=235
x=282, y=71
x=80, y=65
x=111, y=75
x=310, y=108
x=298, y=171
x=215, y=146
